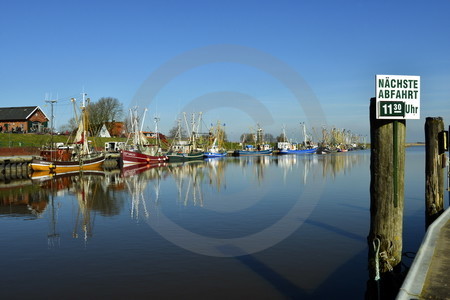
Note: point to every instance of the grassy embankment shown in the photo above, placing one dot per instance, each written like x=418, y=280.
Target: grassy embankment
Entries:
x=29, y=144
x=39, y=140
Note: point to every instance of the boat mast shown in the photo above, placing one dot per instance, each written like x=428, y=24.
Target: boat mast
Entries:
x=52, y=126
x=284, y=134
x=305, y=137
x=74, y=109
x=259, y=135
x=198, y=137
x=191, y=130
x=142, y=138
x=143, y=118
x=132, y=133
x=84, y=122
x=156, y=132
x=187, y=125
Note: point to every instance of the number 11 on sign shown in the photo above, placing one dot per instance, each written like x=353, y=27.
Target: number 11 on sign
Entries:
x=392, y=108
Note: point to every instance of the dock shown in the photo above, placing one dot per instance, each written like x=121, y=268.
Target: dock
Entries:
x=18, y=166
x=429, y=276
x=14, y=167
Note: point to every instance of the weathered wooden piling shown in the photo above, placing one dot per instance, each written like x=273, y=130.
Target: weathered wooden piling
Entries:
x=5, y=167
x=434, y=168
x=14, y=168
x=387, y=167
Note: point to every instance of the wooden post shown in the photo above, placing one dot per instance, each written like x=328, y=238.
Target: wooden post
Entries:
x=387, y=168
x=434, y=169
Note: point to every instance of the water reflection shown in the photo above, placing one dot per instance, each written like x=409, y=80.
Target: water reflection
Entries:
x=188, y=177
x=136, y=180
x=92, y=189
x=22, y=199
x=216, y=174
x=29, y=198
x=304, y=245
x=92, y=192
x=330, y=165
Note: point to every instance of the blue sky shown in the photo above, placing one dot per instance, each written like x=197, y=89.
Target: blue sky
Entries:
x=119, y=49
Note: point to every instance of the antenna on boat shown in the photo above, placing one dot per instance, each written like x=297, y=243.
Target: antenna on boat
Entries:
x=52, y=117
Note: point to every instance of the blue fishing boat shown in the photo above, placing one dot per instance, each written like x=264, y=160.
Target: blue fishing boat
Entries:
x=215, y=152
x=216, y=149
x=260, y=148
x=298, y=151
x=286, y=147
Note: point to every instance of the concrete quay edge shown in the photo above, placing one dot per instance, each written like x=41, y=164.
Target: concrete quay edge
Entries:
x=413, y=285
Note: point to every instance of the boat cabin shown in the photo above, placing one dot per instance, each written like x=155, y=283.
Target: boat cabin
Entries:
x=286, y=146
x=114, y=146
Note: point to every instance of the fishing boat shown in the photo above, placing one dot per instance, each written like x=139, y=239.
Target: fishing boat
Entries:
x=297, y=151
x=250, y=150
x=260, y=148
x=138, y=149
x=180, y=153
x=286, y=147
x=324, y=150
x=185, y=150
x=78, y=155
x=215, y=149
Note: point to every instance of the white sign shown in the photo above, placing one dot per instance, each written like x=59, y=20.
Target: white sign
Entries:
x=397, y=97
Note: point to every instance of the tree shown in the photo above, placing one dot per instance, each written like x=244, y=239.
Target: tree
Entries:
x=128, y=125
x=248, y=138
x=106, y=109
x=282, y=137
x=174, y=131
x=70, y=127
x=268, y=137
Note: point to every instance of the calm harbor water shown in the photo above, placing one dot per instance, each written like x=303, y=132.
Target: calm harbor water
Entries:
x=270, y=227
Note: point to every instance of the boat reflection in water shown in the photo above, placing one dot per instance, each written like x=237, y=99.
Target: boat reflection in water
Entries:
x=188, y=177
x=92, y=193
x=136, y=179
x=114, y=228
x=106, y=192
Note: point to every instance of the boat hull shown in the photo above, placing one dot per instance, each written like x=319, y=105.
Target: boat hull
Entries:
x=67, y=166
x=128, y=158
x=252, y=152
x=215, y=154
x=179, y=157
x=303, y=151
